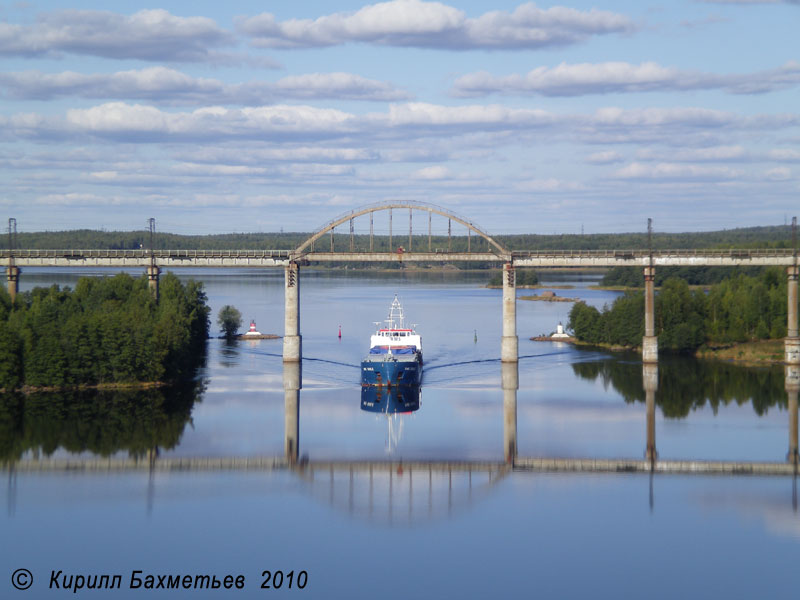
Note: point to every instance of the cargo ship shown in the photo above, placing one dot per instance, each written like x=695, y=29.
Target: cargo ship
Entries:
x=395, y=352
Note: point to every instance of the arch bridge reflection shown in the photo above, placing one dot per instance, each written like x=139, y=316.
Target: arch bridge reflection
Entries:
x=397, y=490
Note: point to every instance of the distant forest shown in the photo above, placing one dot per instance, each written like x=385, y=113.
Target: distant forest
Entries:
x=701, y=275
x=751, y=237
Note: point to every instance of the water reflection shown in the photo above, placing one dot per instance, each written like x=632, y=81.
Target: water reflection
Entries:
x=292, y=383
x=395, y=402
x=509, y=381
x=12, y=492
x=139, y=422
x=390, y=400
x=400, y=493
x=684, y=385
x=650, y=384
x=792, y=387
x=230, y=354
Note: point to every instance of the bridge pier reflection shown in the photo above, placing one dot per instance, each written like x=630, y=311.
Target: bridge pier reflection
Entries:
x=292, y=383
x=792, y=388
x=510, y=385
x=650, y=382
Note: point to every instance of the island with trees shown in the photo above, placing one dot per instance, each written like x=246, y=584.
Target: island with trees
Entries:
x=107, y=332
x=737, y=310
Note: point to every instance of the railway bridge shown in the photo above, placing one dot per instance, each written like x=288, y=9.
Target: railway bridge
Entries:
x=417, y=247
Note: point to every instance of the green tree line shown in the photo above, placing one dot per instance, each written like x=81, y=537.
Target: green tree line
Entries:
x=106, y=330
x=737, y=309
x=697, y=275
x=750, y=237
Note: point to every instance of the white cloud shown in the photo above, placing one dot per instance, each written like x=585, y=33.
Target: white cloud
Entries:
x=432, y=173
x=491, y=116
x=622, y=77
x=259, y=156
x=294, y=170
x=104, y=175
x=435, y=25
x=675, y=171
x=712, y=154
x=168, y=86
x=550, y=185
x=76, y=199
x=749, y=1
x=121, y=119
x=336, y=85
x=648, y=117
x=147, y=35
x=604, y=158
x=785, y=155
x=481, y=127
x=779, y=174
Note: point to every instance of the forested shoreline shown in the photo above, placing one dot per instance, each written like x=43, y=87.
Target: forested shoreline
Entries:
x=749, y=237
x=107, y=331
x=738, y=309
x=633, y=277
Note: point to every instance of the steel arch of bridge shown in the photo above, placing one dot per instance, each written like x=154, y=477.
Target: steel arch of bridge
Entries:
x=392, y=204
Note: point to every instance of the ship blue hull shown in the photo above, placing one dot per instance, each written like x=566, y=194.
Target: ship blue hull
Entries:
x=384, y=371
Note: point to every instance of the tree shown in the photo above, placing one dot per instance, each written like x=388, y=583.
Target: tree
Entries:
x=229, y=320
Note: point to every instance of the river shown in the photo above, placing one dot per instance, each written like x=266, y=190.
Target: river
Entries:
x=400, y=533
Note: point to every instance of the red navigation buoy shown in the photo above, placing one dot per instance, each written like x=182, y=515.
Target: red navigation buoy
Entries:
x=340, y=332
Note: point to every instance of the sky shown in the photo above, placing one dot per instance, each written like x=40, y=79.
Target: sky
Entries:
x=216, y=117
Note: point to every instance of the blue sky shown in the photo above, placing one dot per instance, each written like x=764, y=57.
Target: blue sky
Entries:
x=259, y=116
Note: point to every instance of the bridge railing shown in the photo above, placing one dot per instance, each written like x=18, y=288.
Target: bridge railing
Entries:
x=677, y=253
x=172, y=254
x=287, y=254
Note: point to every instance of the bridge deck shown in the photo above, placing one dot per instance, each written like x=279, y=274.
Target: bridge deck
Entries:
x=280, y=258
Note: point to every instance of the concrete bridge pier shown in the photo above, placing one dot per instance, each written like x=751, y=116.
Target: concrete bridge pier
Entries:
x=152, y=280
x=509, y=345
x=792, y=341
x=650, y=341
x=12, y=274
x=650, y=381
x=510, y=384
x=292, y=383
x=292, y=341
x=792, y=389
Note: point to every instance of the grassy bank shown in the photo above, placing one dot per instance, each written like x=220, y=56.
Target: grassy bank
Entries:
x=756, y=353
x=761, y=352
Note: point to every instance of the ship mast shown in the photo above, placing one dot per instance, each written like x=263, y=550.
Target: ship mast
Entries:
x=396, y=318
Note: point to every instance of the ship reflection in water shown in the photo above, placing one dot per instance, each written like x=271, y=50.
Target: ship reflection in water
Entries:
x=395, y=402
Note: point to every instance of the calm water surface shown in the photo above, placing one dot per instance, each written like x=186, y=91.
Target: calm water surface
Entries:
x=426, y=534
